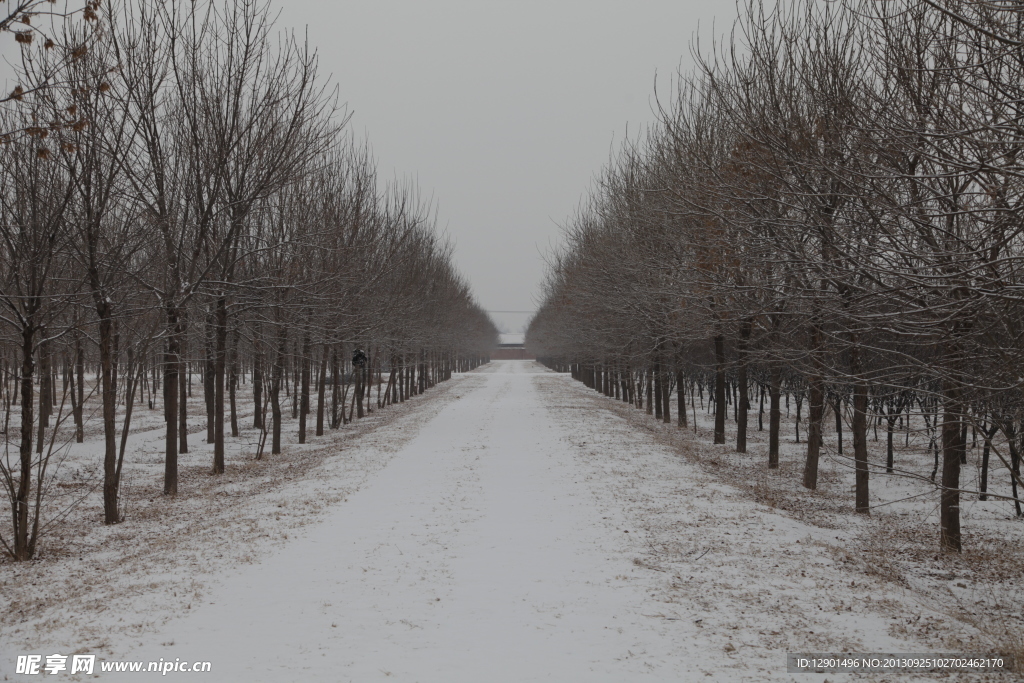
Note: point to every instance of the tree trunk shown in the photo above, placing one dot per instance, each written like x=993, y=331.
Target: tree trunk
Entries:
x=359, y=388
x=666, y=394
x=987, y=434
x=774, y=416
x=69, y=390
x=233, y=382
x=304, y=389
x=838, y=409
x=296, y=370
x=422, y=373
x=44, y=391
x=860, y=429
x=760, y=407
x=656, y=375
x=1014, y=469
x=799, y=406
x=171, y=361
x=649, y=390
x=889, y=455
x=22, y=543
x=401, y=380
x=335, y=389
x=219, y=377
x=80, y=372
x=209, y=376
x=949, y=500
x=860, y=445
x=720, y=407
x=134, y=375
x=183, y=395
x=321, y=398
x=275, y=389
x=109, y=397
x=257, y=384
x=680, y=399
x=741, y=380
x=814, y=417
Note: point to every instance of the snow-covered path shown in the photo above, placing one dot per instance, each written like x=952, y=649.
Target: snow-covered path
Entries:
x=532, y=530
x=474, y=555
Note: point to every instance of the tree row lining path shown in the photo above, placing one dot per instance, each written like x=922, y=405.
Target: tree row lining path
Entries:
x=528, y=533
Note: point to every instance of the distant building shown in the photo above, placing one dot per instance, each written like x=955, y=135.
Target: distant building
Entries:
x=511, y=348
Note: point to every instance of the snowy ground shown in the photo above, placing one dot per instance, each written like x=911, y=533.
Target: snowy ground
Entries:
x=511, y=525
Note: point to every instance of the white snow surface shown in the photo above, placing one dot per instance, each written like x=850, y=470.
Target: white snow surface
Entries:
x=477, y=554
x=507, y=528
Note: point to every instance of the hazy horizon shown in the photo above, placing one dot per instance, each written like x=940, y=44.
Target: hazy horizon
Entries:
x=502, y=113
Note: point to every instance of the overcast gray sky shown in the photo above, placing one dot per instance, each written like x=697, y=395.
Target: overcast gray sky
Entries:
x=502, y=111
